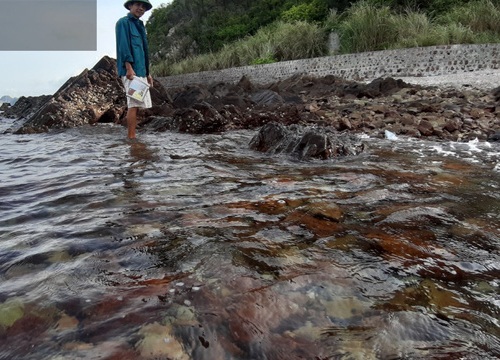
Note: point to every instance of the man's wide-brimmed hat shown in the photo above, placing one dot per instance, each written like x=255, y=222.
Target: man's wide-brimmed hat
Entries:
x=146, y=2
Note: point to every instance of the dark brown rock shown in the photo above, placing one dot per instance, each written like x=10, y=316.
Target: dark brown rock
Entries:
x=452, y=125
x=4, y=107
x=344, y=124
x=324, y=210
x=378, y=87
x=25, y=106
x=425, y=128
x=266, y=98
x=246, y=84
x=495, y=136
x=190, y=96
x=304, y=142
x=202, y=118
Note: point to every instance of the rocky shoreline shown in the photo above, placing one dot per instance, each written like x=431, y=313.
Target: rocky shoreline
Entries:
x=408, y=107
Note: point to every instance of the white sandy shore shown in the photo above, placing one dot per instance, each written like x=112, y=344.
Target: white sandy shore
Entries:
x=482, y=80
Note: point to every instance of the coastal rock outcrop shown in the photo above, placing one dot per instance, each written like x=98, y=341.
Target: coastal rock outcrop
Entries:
x=385, y=104
x=96, y=95
x=329, y=102
x=25, y=107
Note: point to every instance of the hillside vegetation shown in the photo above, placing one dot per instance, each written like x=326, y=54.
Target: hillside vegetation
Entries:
x=197, y=35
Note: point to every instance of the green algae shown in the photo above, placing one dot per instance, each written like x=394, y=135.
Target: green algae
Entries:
x=10, y=311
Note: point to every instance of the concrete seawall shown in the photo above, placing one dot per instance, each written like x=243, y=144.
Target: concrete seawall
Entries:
x=414, y=62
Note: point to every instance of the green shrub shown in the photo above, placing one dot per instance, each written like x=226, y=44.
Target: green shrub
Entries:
x=442, y=35
x=298, y=40
x=261, y=61
x=313, y=11
x=480, y=16
x=276, y=42
x=367, y=27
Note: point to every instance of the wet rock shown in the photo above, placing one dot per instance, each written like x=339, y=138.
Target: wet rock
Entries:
x=324, y=210
x=160, y=123
x=319, y=226
x=377, y=88
x=496, y=93
x=425, y=128
x=304, y=142
x=25, y=106
x=426, y=294
x=344, y=124
x=190, y=96
x=452, y=125
x=308, y=331
x=494, y=137
x=345, y=308
x=269, y=137
x=158, y=342
x=266, y=97
x=201, y=118
x=10, y=311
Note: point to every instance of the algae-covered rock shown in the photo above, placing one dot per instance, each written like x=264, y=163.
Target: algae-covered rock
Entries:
x=11, y=311
x=308, y=332
x=180, y=315
x=345, y=308
x=158, y=342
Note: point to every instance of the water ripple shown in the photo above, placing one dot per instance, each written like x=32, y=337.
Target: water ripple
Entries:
x=107, y=246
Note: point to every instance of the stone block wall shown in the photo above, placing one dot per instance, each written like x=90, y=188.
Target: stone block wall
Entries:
x=422, y=61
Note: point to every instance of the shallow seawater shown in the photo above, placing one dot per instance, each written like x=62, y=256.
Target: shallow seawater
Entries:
x=195, y=247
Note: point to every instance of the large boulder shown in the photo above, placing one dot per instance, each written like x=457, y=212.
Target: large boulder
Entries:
x=305, y=142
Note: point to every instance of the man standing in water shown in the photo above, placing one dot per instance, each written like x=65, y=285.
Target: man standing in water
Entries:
x=132, y=58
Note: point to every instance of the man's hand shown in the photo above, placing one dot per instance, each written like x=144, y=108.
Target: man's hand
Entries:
x=150, y=80
x=130, y=71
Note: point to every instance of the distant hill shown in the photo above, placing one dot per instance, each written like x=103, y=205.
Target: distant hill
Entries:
x=8, y=99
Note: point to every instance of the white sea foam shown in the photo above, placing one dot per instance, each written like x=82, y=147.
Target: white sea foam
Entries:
x=439, y=149
x=390, y=135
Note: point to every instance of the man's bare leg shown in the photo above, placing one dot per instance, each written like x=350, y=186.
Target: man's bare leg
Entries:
x=131, y=122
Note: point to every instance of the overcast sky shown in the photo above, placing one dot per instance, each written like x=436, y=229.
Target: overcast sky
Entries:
x=33, y=73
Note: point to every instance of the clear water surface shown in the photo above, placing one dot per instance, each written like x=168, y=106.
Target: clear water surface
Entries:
x=195, y=247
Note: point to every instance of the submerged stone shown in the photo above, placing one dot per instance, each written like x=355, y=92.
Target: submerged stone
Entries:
x=11, y=311
x=158, y=342
x=324, y=210
x=345, y=308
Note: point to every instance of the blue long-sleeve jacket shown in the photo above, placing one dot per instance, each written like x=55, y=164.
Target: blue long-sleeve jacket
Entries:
x=131, y=46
